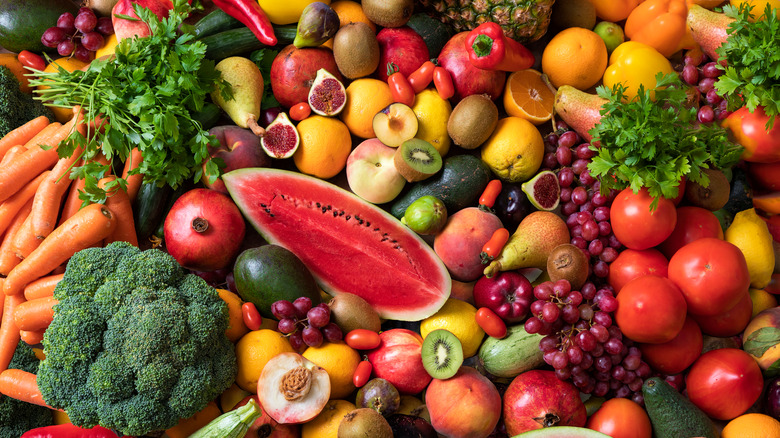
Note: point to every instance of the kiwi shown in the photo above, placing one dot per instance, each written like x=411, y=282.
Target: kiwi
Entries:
x=388, y=13
x=568, y=262
x=417, y=160
x=364, y=422
x=442, y=354
x=712, y=197
x=472, y=121
x=351, y=312
x=356, y=50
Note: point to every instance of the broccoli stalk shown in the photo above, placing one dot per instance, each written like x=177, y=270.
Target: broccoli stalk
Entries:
x=17, y=107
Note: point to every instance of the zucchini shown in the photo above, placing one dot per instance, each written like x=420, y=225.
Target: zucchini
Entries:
x=215, y=22
x=234, y=42
x=511, y=355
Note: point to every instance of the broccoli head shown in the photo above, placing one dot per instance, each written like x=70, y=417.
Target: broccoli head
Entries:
x=16, y=106
x=16, y=416
x=136, y=342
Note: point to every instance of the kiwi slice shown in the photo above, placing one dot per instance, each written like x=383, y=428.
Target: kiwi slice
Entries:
x=442, y=354
x=417, y=160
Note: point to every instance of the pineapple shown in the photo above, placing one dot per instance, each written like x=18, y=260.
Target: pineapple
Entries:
x=522, y=20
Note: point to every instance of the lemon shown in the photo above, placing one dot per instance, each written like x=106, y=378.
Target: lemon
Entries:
x=762, y=300
x=458, y=317
x=751, y=235
x=285, y=11
x=432, y=113
x=326, y=423
x=253, y=351
x=514, y=150
x=340, y=361
x=109, y=47
x=69, y=64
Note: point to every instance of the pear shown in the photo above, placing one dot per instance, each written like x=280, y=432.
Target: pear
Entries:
x=246, y=80
x=709, y=29
x=580, y=110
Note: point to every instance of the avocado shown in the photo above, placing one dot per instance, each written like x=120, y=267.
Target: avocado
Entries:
x=672, y=414
x=22, y=22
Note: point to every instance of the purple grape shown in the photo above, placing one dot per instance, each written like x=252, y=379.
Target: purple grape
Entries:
x=579, y=195
x=566, y=177
x=569, y=207
x=318, y=317
x=706, y=85
x=574, y=298
x=603, y=319
x=690, y=74
x=579, y=165
x=65, y=22
x=613, y=346
x=283, y=309
x=605, y=228
x=575, y=355
x=85, y=20
x=601, y=269
x=563, y=373
x=53, y=36
x=590, y=230
x=711, y=70
x=568, y=139
x=560, y=360
x=608, y=254
x=82, y=54
x=595, y=247
x=566, y=193
x=570, y=314
x=543, y=291
x=105, y=26
x=586, y=179
x=588, y=291
x=302, y=306
x=296, y=341
x=599, y=332
x=579, y=242
x=586, y=341
x=286, y=326
x=598, y=199
x=332, y=332
x=563, y=155
x=706, y=114
x=548, y=343
x=712, y=97
x=584, y=151
x=550, y=160
x=93, y=41
x=536, y=307
x=532, y=325
x=65, y=48
x=312, y=336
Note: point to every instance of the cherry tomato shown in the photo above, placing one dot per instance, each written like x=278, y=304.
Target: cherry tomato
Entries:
x=631, y=263
x=31, y=60
x=712, y=275
x=724, y=383
x=678, y=354
x=300, y=111
x=400, y=89
x=749, y=129
x=692, y=223
x=491, y=192
x=495, y=244
x=443, y=82
x=491, y=323
x=650, y=309
x=621, y=418
x=362, y=339
x=252, y=318
x=362, y=373
x=729, y=323
x=635, y=225
x=422, y=77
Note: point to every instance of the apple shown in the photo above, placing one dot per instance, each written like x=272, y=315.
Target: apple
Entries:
x=238, y=148
x=371, y=173
x=508, y=294
x=267, y=427
x=293, y=71
x=398, y=359
x=403, y=47
x=124, y=28
x=465, y=405
x=395, y=124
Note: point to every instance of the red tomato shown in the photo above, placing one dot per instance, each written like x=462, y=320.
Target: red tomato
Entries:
x=749, y=129
x=252, y=318
x=729, y=323
x=712, y=275
x=31, y=60
x=362, y=339
x=650, y=309
x=362, y=373
x=400, y=88
x=635, y=226
x=422, y=77
x=631, y=263
x=678, y=354
x=300, y=111
x=621, y=418
x=724, y=383
x=692, y=223
x=442, y=80
x=491, y=323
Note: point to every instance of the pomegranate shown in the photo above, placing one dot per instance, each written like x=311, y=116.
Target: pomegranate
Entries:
x=203, y=230
x=293, y=71
x=468, y=79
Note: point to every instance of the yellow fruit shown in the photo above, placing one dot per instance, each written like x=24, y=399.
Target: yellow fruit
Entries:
x=285, y=11
x=759, y=6
x=340, y=361
x=236, y=327
x=349, y=12
x=365, y=98
x=515, y=150
x=253, y=351
x=432, y=113
x=762, y=300
x=575, y=56
x=752, y=425
x=324, y=148
x=751, y=235
x=69, y=64
x=231, y=396
x=526, y=95
x=109, y=46
x=457, y=316
x=326, y=424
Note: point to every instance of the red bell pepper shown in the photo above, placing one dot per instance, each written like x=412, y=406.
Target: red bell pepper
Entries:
x=490, y=49
x=249, y=13
x=68, y=430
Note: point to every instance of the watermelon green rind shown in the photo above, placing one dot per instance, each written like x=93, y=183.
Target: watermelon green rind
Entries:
x=562, y=432
x=348, y=244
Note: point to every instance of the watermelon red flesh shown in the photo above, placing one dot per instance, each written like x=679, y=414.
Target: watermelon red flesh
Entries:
x=348, y=244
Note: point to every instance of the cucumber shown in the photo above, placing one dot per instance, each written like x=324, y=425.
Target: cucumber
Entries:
x=511, y=355
x=241, y=40
x=149, y=208
x=672, y=414
x=214, y=22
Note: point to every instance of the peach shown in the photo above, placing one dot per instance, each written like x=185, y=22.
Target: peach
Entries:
x=395, y=124
x=398, y=359
x=465, y=405
x=460, y=243
x=769, y=318
x=238, y=148
x=371, y=173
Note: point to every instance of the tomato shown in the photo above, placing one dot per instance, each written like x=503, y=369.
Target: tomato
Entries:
x=635, y=225
x=362, y=339
x=650, y=309
x=621, y=418
x=31, y=60
x=300, y=111
x=692, y=223
x=724, y=383
x=252, y=318
x=400, y=88
x=491, y=323
x=631, y=263
x=362, y=373
x=749, y=129
x=678, y=354
x=729, y=323
x=495, y=244
x=443, y=82
x=712, y=275
x=422, y=77
x=491, y=192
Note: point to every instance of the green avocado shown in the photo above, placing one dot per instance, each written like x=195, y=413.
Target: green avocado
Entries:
x=672, y=414
x=22, y=22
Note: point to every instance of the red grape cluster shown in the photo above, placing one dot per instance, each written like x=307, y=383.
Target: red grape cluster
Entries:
x=305, y=325
x=79, y=36
x=702, y=73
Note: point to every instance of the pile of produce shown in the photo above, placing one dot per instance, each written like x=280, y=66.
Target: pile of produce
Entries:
x=390, y=218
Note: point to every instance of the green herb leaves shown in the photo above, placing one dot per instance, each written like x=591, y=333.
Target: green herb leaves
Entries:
x=653, y=140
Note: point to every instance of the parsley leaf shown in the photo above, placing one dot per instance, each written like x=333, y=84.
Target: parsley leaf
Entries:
x=263, y=58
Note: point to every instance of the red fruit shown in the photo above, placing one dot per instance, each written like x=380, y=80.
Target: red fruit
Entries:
x=692, y=223
x=293, y=72
x=124, y=28
x=466, y=78
x=403, y=47
x=465, y=405
x=398, y=359
x=238, y=148
x=508, y=294
x=267, y=427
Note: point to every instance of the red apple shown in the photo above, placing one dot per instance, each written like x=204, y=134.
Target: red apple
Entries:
x=403, y=47
x=293, y=71
x=537, y=399
x=267, y=427
x=371, y=173
x=238, y=148
x=398, y=360
x=124, y=28
x=465, y=405
x=508, y=294
x=468, y=79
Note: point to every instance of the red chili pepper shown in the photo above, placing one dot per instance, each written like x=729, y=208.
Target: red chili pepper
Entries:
x=490, y=49
x=443, y=82
x=362, y=373
x=252, y=318
x=491, y=323
x=400, y=89
x=251, y=15
x=494, y=245
x=422, y=77
x=489, y=195
x=31, y=60
x=69, y=430
x=300, y=111
x=362, y=339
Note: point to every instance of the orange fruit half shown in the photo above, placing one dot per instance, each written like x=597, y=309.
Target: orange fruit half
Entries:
x=528, y=96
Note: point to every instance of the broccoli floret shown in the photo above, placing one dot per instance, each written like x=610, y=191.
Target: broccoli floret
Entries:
x=16, y=106
x=136, y=343
x=16, y=416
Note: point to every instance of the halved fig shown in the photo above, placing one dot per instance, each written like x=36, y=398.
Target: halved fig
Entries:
x=327, y=95
x=543, y=190
x=293, y=389
x=281, y=139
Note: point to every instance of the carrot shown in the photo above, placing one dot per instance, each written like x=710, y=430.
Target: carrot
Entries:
x=36, y=314
x=31, y=337
x=48, y=197
x=21, y=385
x=72, y=202
x=12, y=205
x=45, y=133
x=25, y=240
x=8, y=257
x=22, y=134
x=133, y=181
x=42, y=287
x=9, y=333
x=91, y=224
x=119, y=203
x=12, y=153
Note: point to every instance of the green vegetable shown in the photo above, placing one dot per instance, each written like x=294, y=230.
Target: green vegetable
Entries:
x=17, y=107
x=17, y=417
x=136, y=343
x=654, y=143
x=752, y=75
x=149, y=93
x=231, y=424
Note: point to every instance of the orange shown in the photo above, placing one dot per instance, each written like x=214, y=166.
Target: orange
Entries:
x=236, y=326
x=365, y=98
x=753, y=425
x=109, y=46
x=10, y=61
x=575, y=56
x=324, y=148
x=526, y=95
x=326, y=423
x=340, y=361
x=349, y=12
x=69, y=64
x=253, y=351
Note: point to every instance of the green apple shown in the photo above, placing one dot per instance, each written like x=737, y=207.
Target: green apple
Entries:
x=611, y=33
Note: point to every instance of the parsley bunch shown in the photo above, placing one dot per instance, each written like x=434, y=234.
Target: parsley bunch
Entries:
x=653, y=143
x=148, y=93
x=752, y=55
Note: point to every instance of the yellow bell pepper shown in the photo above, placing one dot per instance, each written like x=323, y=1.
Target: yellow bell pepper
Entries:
x=614, y=10
x=659, y=24
x=632, y=64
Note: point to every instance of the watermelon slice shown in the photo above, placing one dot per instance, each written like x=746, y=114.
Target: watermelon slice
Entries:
x=562, y=432
x=348, y=244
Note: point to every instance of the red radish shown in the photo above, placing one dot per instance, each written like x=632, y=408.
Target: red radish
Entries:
x=204, y=229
